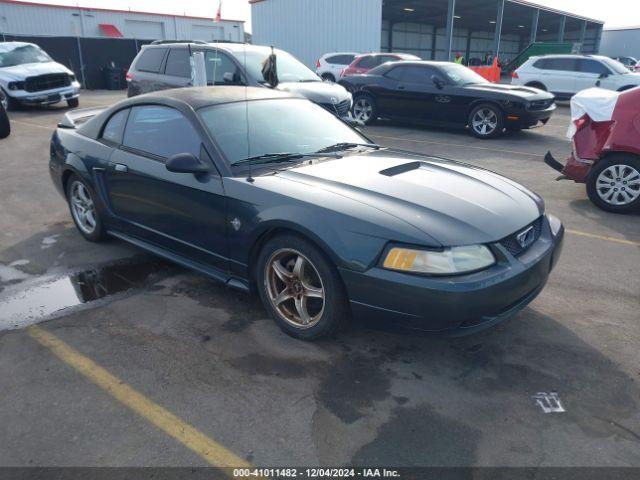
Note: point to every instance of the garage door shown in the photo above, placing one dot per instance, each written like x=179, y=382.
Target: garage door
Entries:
x=207, y=33
x=144, y=29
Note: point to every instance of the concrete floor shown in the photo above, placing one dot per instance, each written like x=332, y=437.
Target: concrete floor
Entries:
x=212, y=358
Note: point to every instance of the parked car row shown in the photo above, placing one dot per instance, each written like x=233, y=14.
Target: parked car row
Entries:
x=333, y=66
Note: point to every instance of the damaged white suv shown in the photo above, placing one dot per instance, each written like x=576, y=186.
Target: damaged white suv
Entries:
x=29, y=76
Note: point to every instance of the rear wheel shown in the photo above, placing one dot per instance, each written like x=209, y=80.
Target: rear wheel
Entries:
x=364, y=109
x=300, y=288
x=5, y=126
x=84, y=210
x=73, y=102
x=486, y=121
x=614, y=184
x=327, y=77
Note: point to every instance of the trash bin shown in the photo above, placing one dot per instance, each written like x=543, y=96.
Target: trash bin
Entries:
x=112, y=77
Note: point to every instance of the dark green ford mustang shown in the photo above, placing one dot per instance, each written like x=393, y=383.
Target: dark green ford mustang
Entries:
x=263, y=190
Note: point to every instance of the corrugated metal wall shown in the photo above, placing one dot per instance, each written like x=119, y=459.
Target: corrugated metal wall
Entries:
x=21, y=19
x=310, y=29
x=621, y=42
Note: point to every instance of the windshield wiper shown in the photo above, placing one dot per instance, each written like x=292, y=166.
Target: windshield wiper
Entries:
x=278, y=158
x=347, y=146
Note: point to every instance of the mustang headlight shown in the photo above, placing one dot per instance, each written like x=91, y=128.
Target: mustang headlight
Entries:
x=448, y=261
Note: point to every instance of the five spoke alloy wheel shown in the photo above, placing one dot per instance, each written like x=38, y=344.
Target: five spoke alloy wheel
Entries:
x=364, y=109
x=294, y=288
x=486, y=121
x=83, y=209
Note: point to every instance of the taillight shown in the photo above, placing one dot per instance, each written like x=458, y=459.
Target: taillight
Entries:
x=581, y=122
x=515, y=75
x=342, y=72
x=317, y=63
x=128, y=77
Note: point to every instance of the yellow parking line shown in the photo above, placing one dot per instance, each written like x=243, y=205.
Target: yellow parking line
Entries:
x=457, y=145
x=214, y=453
x=604, y=237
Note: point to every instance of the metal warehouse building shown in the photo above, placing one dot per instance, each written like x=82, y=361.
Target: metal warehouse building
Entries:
x=431, y=29
x=620, y=42
x=25, y=18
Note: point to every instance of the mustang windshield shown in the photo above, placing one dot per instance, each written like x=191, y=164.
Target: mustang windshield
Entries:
x=460, y=75
x=290, y=69
x=266, y=127
x=21, y=55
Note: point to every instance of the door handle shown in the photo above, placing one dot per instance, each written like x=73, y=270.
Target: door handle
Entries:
x=119, y=167
x=401, y=87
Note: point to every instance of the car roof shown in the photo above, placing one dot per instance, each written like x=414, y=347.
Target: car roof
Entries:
x=228, y=46
x=198, y=97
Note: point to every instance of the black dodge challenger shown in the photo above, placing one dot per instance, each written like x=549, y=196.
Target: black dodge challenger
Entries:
x=446, y=94
x=266, y=191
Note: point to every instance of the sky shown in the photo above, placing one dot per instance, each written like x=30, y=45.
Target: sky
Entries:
x=615, y=13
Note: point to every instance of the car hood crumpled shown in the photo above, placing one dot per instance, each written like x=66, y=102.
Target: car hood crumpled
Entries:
x=453, y=203
x=21, y=72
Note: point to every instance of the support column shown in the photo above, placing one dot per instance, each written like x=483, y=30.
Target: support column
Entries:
x=534, y=24
x=596, y=47
x=433, y=42
x=563, y=23
x=450, y=13
x=467, y=53
x=496, y=45
x=583, y=35
x=390, y=37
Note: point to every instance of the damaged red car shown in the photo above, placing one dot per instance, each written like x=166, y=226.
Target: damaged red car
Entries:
x=606, y=148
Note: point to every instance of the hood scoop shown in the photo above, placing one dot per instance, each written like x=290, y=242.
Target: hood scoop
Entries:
x=398, y=169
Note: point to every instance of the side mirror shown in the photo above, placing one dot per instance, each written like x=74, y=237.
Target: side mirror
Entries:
x=438, y=82
x=186, y=163
x=231, y=77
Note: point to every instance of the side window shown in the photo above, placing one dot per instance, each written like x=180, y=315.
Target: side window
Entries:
x=561, y=64
x=591, y=66
x=387, y=58
x=178, y=63
x=395, y=73
x=115, y=127
x=415, y=74
x=340, y=59
x=542, y=64
x=160, y=131
x=217, y=64
x=150, y=60
x=368, y=62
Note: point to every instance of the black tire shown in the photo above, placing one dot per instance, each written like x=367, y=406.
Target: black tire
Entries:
x=537, y=85
x=627, y=164
x=12, y=104
x=494, y=128
x=327, y=77
x=73, y=102
x=359, y=103
x=335, y=309
x=99, y=233
x=5, y=126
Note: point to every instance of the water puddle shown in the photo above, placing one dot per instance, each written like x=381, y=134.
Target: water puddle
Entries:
x=27, y=304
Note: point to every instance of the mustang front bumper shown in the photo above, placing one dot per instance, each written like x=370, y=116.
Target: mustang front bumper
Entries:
x=457, y=305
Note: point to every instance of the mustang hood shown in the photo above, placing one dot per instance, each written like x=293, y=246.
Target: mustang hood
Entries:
x=452, y=203
x=21, y=72
x=318, y=92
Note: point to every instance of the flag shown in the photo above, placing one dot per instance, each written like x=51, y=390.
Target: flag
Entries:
x=218, y=16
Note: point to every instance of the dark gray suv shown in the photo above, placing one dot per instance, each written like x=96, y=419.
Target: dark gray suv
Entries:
x=164, y=65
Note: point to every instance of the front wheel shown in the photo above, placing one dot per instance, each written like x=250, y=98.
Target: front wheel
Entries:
x=327, y=77
x=486, y=121
x=364, y=109
x=73, y=102
x=300, y=288
x=5, y=126
x=614, y=184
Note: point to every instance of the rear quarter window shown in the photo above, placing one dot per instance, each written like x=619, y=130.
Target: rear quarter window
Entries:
x=178, y=63
x=114, y=128
x=151, y=60
x=368, y=62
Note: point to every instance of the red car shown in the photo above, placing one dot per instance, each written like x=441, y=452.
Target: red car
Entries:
x=364, y=63
x=606, y=152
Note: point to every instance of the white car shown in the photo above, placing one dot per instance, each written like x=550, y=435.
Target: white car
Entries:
x=330, y=65
x=29, y=76
x=566, y=75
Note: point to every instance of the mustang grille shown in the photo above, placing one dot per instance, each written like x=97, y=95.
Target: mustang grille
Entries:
x=540, y=104
x=47, y=82
x=340, y=109
x=511, y=242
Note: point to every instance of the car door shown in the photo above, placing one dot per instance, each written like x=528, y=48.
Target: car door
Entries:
x=409, y=93
x=561, y=78
x=221, y=69
x=177, y=68
x=588, y=73
x=179, y=212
